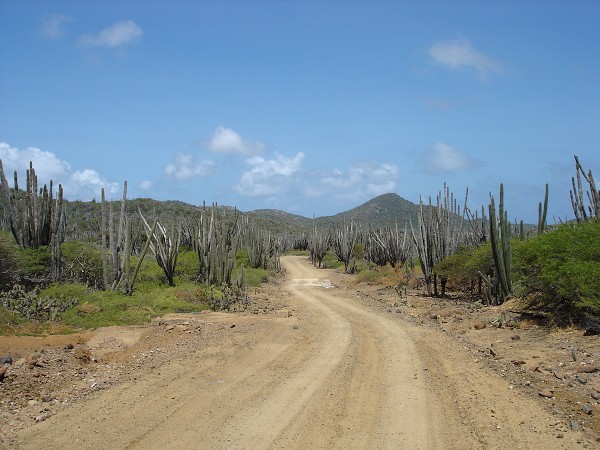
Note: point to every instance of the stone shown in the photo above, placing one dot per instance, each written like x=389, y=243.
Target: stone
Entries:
x=515, y=337
x=587, y=369
x=595, y=395
x=47, y=398
x=20, y=362
x=3, y=370
x=546, y=393
x=6, y=360
x=479, y=325
x=433, y=316
x=586, y=409
x=34, y=359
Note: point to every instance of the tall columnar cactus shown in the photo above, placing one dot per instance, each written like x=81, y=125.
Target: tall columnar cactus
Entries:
x=217, y=242
x=35, y=216
x=119, y=244
x=318, y=245
x=440, y=233
x=542, y=211
x=343, y=237
x=500, y=237
x=105, y=276
x=388, y=245
x=592, y=212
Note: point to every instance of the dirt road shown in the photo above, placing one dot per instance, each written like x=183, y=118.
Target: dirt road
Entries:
x=333, y=374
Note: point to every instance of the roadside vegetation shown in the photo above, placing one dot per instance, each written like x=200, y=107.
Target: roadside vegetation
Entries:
x=128, y=262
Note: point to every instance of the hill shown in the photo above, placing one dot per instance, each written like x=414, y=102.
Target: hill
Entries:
x=387, y=209
x=83, y=218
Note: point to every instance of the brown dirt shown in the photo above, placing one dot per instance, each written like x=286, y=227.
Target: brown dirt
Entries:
x=318, y=362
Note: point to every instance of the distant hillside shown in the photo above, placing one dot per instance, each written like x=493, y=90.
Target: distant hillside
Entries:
x=83, y=218
x=280, y=221
x=386, y=209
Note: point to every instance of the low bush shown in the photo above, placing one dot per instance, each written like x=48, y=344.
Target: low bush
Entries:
x=463, y=267
x=9, y=261
x=82, y=263
x=557, y=271
x=560, y=270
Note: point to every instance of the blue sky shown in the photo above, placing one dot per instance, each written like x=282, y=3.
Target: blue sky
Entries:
x=306, y=106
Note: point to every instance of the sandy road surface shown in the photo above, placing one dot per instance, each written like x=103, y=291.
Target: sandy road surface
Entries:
x=335, y=375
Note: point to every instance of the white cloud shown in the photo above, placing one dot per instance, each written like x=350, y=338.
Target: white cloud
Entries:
x=146, y=185
x=269, y=177
x=459, y=54
x=227, y=141
x=363, y=180
x=117, y=35
x=51, y=26
x=185, y=166
x=90, y=181
x=443, y=158
x=77, y=184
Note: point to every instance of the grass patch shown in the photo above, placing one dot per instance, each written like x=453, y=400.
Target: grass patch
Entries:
x=330, y=261
x=293, y=252
x=99, y=308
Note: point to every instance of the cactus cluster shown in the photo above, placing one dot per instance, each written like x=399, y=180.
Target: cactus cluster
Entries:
x=264, y=248
x=344, y=236
x=440, y=233
x=34, y=307
x=592, y=211
x=388, y=246
x=318, y=245
x=216, y=244
x=116, y=259
x=36, y=218
x=499, y=283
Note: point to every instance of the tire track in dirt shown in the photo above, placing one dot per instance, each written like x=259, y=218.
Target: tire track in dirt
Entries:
x=376, y=397
x=335, y=375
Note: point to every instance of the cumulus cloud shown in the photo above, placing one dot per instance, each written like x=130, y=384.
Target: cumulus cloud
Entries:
x=52, y=25
x=185, y=167
x=458, y=54
x=117, y=35
x=362, y=180
x=77, y=184
x=443, y=158
x=227, y=141
x=90, y=181
x=269, y=177
x=146, y=185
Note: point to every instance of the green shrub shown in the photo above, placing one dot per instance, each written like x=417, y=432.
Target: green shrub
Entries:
x=187, y=264
x=82, y=263
x=371, y=276
x=9, y=261
x=331, y=261
x=254, y=277
x=463, y=267
x=241, y=258
x=561, y=269
x=34, y=265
